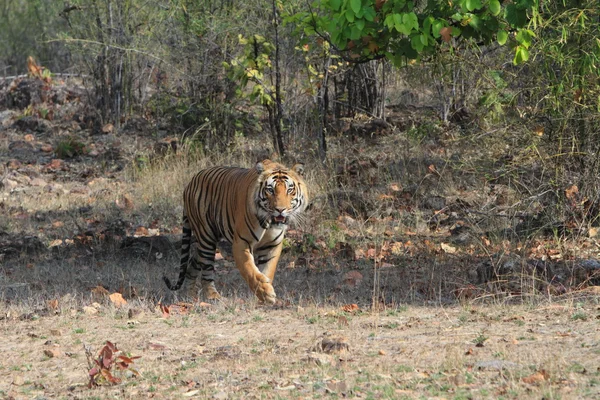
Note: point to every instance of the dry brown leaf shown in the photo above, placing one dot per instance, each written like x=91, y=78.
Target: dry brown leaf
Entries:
x=448, y=248
x=350, y=307
x=572, y=192
x=446, y=33
x=55, y=243
x=141, y=231
x=536, y=377
x=53, y=304
x=108, y=128
x=52, y=353
x=395, y=187
x=117, y=299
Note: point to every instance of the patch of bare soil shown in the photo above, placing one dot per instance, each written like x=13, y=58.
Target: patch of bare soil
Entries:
x=237, y=350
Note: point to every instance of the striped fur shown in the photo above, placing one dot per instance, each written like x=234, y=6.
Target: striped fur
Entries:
x=250, y=208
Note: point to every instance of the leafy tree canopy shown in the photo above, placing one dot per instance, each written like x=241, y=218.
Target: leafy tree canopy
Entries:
x=398, y=30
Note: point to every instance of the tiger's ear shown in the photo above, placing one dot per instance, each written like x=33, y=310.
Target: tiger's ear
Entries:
x=299, y=169
x=262, y=165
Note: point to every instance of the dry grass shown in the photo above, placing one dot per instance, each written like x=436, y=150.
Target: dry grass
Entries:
x=236, y=349
x=383, y=208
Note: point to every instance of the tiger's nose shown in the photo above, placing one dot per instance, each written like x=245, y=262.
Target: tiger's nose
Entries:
x=280, y=209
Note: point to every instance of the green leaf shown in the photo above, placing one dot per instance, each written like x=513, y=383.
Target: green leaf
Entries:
x=524, y=37
x=473, y=4
x=335, y=4
x=356, y=5
x=495, y=7
x=521, y=55
x=436, y=28
x=356, y=33
x=370, y=14
x=427, y=24
x=411, y=20
x=389, y=21
x=515, y=16
x=475, y=22
x=502, y=37
x=349, y=15
x=360, y=24
x=416, y=43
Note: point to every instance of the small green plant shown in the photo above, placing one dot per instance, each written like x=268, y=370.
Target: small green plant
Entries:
x=69, y=148
x=579, y=315
x=480, y=340
x=79, y=330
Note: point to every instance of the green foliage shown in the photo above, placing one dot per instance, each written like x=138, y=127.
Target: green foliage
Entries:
x=251, y=66
x=402, y=29
x=69, y=148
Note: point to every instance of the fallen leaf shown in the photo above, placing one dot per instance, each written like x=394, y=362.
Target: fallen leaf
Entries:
x=156, y=346
x=52, y=353
x=55, y=243
x=108, y=128
x=536, y=377
x=350, y=307
x=53, y=304
x=448, y=249
x=571, y=192
x=117, y=299
x=141, y=231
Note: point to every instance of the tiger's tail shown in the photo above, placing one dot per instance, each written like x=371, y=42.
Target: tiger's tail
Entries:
x=186, y=242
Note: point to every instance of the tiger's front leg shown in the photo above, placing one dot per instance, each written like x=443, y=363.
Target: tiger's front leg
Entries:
x=258, y=282
x=267, y=258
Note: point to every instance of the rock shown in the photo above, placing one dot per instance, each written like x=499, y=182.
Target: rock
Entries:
x=7, y=117
x=31, y=124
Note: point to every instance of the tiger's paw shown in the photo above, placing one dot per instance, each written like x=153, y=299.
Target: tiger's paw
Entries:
x=264, y=290
x=209, y=291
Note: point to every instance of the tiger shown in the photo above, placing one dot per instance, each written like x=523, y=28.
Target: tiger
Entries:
x=251, y=209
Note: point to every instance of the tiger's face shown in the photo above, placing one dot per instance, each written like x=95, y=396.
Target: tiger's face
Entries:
x=282, y=194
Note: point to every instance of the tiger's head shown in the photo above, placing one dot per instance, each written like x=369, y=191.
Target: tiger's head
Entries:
x=282, y=193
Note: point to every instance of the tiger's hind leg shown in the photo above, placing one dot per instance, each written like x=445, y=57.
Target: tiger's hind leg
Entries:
x=202, y=264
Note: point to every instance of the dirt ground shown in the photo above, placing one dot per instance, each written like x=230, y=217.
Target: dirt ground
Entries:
x=240, y=350
x=395, y=293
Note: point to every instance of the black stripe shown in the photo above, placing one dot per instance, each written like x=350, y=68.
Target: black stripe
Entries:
x=248, y=224
x=269, y=247
x=264, y=261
